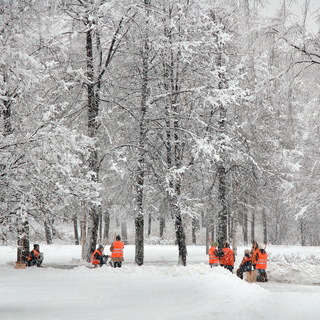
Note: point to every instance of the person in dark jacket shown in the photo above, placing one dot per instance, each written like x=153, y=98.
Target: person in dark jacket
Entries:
x=35, y=257
x=245, y=265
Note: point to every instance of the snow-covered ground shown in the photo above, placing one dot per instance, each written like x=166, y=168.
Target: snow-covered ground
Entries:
x=160, y=290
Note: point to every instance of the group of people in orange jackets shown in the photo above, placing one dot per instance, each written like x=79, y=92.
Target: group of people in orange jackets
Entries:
x=254, y=262
x=116, y=248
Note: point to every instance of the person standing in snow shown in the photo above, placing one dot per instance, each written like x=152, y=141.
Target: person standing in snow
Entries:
x=213, y=255
x=98, y=258
x=261, y=265
x=35, y=257
x=117, y=252
x=254, y=253
x=227, y=260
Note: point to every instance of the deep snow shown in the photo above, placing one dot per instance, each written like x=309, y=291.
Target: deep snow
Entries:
x=160, y=289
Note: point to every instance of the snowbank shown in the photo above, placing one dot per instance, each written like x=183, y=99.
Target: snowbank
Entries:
x=159, y=290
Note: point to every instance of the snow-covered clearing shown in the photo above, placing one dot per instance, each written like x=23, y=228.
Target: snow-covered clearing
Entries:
x=66, y=289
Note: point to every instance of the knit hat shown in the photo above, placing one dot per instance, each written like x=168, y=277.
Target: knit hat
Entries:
x=215, y=244
x=246, y=251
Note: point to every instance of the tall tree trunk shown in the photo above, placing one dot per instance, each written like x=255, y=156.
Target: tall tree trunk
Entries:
x=222, y=174
x=23, y=240
x=193, y=230
x=83, y=229
x=253, y=227
x=177, y=149
x=245, y=227
x=139, y=219
x=303, y=227
x=124, y=232
x=75, y=229
x=6, y=113
x=180, y=234
x=264, y=224
x=223, y=212
x=106, y=229
x=93, y=110
x=149, y=224
x=162, y=225
x=208, y=240
x=100, y=225
x=47, y=231
x=210, y=225
x=92, y=234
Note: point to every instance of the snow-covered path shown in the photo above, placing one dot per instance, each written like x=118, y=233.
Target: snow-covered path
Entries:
x=155, y=291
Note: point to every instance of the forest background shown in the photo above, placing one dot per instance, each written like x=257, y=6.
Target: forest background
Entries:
x=167, y=121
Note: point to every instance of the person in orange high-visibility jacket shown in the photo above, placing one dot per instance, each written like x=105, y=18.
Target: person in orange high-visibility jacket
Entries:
x=97, y=257
x=117, y=252
x=35, y=257
x=261, y=265
x=254, y=253
x=213, y=255
x=227, y=260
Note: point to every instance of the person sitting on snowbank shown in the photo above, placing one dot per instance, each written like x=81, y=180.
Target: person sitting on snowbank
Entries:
x=117, y=252
x=35, y=257
x=98, y=258
x=245, y=265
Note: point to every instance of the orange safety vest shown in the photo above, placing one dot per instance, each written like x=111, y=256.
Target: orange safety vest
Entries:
x=33, y=253
x=94, y=260
x=212, y=257
x=254, y=255
x=262, y=260
x=228, y=257
x=117, y=251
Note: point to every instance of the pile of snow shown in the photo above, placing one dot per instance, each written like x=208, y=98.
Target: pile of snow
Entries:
x=158, y=290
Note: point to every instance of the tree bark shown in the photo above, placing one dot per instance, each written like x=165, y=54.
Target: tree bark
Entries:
x=264, y=224
x=6, y=113
x=93, y=111
x=47, y=231
x=149, y=224
x=23, y=241
x=303, y=227
x=253, y=227
x=221, y=167
x=75, y=229
x=139, y=219
x=162, y=225
x=83, y=228
x=194, y=229
x=106, y=220
x=245, y=227
x=124, y=232
x=223, y=212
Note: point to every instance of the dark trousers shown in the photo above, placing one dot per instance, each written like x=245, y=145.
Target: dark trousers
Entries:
x=230, y=268
x=34, y=262
x=262, y=275
x=117, y=264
